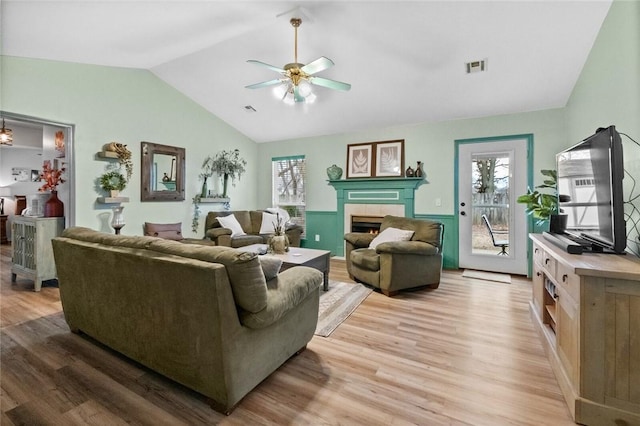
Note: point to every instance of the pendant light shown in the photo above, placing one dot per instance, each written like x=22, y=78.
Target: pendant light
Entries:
x=6, y=135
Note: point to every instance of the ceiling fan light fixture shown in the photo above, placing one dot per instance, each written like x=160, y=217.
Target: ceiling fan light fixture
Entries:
x=280, y=91
x=295, y=84
x=6, y=135
x=305, y=88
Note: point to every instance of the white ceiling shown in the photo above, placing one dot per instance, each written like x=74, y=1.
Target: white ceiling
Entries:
x=405, y=60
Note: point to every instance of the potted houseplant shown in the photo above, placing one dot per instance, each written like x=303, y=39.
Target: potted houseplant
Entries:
x=542, y=203
x=124, y=156
x=113, y=182
x=227, y=164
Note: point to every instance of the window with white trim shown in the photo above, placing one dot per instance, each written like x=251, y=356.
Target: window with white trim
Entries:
x=288, y=186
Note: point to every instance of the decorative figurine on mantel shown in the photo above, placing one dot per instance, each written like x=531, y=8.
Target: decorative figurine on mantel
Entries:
x=409, y=172
x=334, y=172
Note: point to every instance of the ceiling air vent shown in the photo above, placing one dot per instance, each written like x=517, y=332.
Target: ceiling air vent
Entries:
x=476, y=66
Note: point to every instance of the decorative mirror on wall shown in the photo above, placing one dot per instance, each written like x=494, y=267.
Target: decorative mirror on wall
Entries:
x=162, y=172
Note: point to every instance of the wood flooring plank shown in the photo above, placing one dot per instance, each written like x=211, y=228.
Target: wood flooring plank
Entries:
x=463, y=354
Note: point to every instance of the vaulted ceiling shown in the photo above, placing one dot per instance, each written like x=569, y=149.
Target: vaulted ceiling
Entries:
x=405, y=60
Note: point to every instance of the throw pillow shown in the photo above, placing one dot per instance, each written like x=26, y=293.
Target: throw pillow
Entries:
x=230, y=222
x=391, y=234
x=268, y=221
x=282, y=212
x=270, y=266
x=168, y=231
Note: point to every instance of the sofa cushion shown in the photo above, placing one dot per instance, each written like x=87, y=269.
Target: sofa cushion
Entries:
x=366, y=258
x=286, y=218
x=270, y=266
x=391, y=234
x=230, y=222
x=243, y=268
x=268, y=223
x=169, y=231
x=246, y=240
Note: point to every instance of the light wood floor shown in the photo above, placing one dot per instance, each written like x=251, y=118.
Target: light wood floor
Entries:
x=464, y=354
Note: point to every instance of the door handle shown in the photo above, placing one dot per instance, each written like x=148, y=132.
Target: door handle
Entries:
x=463, y=213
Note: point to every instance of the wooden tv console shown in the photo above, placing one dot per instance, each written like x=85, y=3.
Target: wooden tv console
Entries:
x=587, y=310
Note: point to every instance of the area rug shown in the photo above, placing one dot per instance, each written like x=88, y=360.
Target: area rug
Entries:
x=337, y=304
x=487, y=276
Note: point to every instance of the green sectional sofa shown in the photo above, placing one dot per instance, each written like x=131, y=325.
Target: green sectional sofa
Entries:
x=215, y=319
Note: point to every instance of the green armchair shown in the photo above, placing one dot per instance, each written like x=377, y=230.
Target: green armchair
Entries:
x=396, y=265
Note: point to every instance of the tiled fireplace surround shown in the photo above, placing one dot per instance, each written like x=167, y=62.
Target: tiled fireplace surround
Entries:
x=372, y=197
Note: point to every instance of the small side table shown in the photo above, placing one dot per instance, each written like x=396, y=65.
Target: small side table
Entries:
x=3, y=229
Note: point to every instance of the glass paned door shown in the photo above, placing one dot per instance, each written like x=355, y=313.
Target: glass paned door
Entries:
x=490, y=203
x=492, y=226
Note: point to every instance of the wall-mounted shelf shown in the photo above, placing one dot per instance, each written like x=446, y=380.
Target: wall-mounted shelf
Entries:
x=113, y=200
x=108, y=155
x=215, y=200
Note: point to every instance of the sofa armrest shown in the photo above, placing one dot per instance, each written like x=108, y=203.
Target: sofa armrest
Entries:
x=407, y=247
x=220, y=236
x=359, y=239
x=214, y=233
x=284, y=293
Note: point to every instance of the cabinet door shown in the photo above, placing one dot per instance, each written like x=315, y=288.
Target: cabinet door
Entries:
x=17, y=243
x=567, y=336
x=537, y=282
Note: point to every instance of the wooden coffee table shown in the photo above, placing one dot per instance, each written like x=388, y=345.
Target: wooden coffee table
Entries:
x=296, y=256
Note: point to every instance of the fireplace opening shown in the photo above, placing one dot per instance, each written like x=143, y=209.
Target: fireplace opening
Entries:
x=367, y=224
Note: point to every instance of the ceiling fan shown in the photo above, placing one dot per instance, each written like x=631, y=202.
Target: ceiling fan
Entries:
x=295, y=83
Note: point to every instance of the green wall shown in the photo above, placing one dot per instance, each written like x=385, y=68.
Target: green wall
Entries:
x=608, y=92
x=432, y=143
x=129, y=106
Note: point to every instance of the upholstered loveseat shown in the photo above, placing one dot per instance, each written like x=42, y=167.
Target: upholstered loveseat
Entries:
x=215, y=319
x=396, y=265
x=251, y=222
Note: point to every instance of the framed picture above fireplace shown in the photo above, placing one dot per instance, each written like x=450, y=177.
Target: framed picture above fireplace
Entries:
x=389, y=158
x=360, y=160
x=375, y=159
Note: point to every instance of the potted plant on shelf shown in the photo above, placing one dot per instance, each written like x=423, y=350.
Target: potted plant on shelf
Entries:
x=543, y=206
x=227, y=164
x=113, y=182
x=124, y=156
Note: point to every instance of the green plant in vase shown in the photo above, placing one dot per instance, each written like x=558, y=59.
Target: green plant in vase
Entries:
x=542, y=202
x=113, y=182
x=227, y=164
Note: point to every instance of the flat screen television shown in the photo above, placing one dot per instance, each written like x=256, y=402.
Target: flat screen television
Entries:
x=590, y=177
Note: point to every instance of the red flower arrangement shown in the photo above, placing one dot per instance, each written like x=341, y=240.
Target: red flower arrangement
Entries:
x=51, y=176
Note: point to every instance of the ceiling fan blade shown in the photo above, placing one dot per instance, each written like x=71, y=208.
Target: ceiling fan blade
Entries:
x=263, y=84
x=318, y=65
x=331, y=84
x=271, y=67
x=296, y=95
